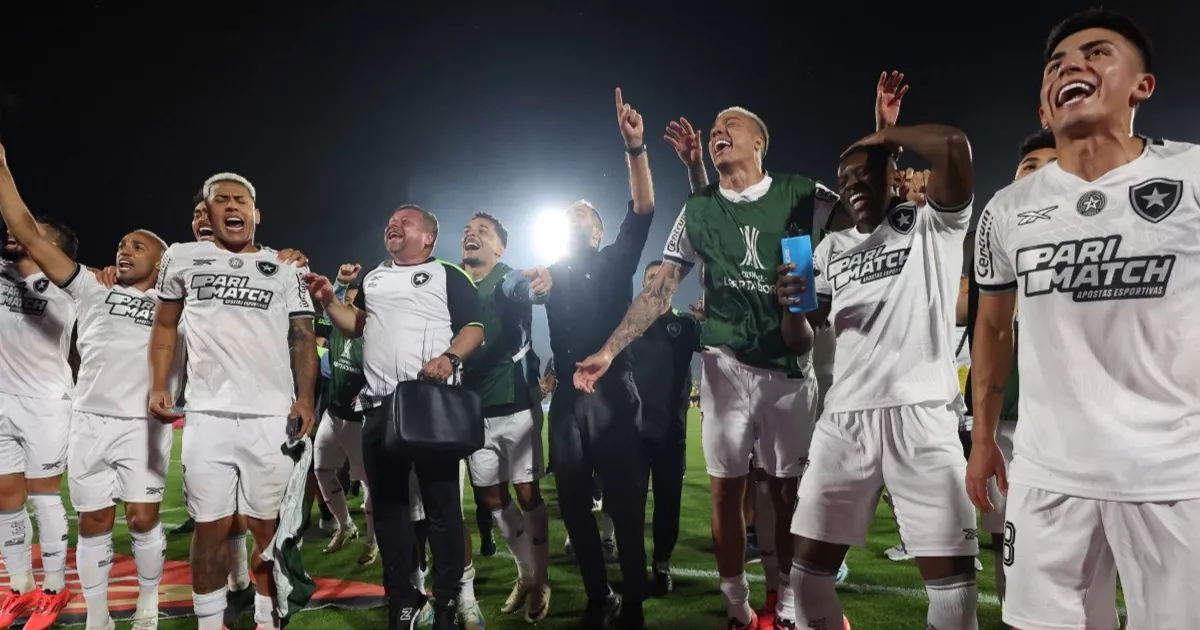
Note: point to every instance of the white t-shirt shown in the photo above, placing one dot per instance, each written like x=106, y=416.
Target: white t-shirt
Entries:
x=1109, y=346
x=894, y=292
x=36, y=319
x=114, y=337
x=413, y=313
x=236, y=316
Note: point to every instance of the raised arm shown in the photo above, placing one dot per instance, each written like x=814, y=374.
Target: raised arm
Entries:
x=531, y=286
x=952, y=177
x=689, y=146
x=347, y=318
x=164, y=336
x=641, y=187
x=53, y=262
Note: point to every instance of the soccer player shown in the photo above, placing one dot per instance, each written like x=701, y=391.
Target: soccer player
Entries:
x=504, y=372
x=339, y=434
x=888, y=287
x=662, y=370
x=35, y=412
x=1095, y=252
x=752, y=384
x=116, y=451
x=247, y=319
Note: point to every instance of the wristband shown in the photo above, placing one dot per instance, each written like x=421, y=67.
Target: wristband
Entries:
x=454, y=360
x=636, y=151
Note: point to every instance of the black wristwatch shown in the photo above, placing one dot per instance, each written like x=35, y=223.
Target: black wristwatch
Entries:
x=455, y=362
x=636, y=151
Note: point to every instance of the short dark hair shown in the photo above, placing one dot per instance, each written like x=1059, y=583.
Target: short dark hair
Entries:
x=872, y=151
x=430, y=220
x=1108, y=20
x=66, y=238
x=1043, y=139
x=501, y=231
x=650, y=265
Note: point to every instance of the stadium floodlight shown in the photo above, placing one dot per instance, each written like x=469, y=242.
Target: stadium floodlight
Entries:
x=551, y=234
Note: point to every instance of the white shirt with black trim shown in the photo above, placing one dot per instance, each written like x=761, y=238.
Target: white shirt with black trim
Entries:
x=413, y=313
x=236, y=316
x=36, y=319
x=893, y=294
x=114, y=337
x=1107, y=275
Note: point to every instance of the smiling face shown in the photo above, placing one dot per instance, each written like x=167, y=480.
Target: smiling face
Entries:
x=138, y=255
x=201, y=227
x=1094, y=79
x=736, y=138
x=585, y=225
x=481, y=245
x=864, y=183
x=14, y=251
x=407, y=234
x=232, y=214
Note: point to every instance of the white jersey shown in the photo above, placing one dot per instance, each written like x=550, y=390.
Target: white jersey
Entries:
x=36, y=319
x=1107, y=275
x=236, y=315
x=114, y=337
x=413, y=313
x=893, y=293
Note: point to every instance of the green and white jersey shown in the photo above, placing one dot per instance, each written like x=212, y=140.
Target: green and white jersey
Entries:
x=735, y=237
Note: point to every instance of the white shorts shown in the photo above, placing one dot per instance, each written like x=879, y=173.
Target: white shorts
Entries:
x=33, y=436
x=993, y=522
x=117, y=459
x=749, y=410
x=339, y=440
x=914, y=451
x=1063, y=554
x=512, y=450
x=234, y=463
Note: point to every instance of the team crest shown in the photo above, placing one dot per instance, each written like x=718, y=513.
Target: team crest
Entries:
x=1155, y=199
x=267, y=268
x=674, y=329
x=41, y=285
x=1091, y=203
x=236, y=263
x=420, y=278
x=903, y=217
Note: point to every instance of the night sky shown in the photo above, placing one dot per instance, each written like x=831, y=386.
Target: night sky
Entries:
x=113, y=117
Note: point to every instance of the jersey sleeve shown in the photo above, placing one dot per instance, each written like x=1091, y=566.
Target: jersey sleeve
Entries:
x=824, y=202
x=820, y=264
x=82, y=284
x=171, y=284
x=679, y=249
x=462, y=298
x=299, y=302
x=949, y=219
x=993, y=268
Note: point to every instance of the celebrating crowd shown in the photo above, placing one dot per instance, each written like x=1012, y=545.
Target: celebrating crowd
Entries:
x=823, y=381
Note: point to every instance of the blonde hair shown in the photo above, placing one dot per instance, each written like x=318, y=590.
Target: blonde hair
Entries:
x=211, y=182
x=754, y=117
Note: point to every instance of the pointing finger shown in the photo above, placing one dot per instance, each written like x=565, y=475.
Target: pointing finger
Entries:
x=620, y=101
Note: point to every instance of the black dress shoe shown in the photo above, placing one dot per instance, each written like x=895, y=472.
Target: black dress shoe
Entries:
x=662, y=581
x=602, y=614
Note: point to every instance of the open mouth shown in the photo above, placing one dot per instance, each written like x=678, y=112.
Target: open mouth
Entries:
x=205, y=232
x=124, y=264
x=391, y=234
x=857, y=200
x=1074, y=93
x=471, y=244
x=234, y=224
x=721, y=146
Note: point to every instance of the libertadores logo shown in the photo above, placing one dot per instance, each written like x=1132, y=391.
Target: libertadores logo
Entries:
x=175, y=592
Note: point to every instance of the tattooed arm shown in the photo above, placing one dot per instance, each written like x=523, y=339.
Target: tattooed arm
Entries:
x=652, y=302
x=302, y=344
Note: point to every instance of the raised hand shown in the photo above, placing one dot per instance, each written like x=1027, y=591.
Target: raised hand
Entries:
x=630, y=123
x=319, y=288
x=888, y=94
x=348, y=272
x=686, y=141
x=540, y=281
x=912, y=185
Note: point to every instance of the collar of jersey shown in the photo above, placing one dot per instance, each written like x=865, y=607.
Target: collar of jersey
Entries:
x=393, y=263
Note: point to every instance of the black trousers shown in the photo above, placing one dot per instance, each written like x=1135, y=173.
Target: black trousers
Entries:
x=388, y=466
x=600, y=434
x=667, y=460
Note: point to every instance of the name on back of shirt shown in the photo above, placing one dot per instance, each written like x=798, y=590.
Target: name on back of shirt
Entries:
x=1091, y=270
x=18, y=299
x=867, y=266
x=230, y=290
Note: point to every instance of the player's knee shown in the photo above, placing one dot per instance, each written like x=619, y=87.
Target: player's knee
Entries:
x=728, y=494
x=48, y=485
x=140, y=517
x=821, y=557
x=12, y=492
x=944, y=568
x=529, y=495
x=239, y=525
x=263, y=530
x=98, y=522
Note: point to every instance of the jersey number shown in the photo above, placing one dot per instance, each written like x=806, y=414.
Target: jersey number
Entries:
x=1010, y=538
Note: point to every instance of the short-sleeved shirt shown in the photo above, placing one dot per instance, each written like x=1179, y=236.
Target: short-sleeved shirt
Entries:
x=413, y=313
x=662, y=370
x=236, y=316
x=36, y=319
x=736, y=238
x=114, y=338
x=592, y=291
x=893, y=295
x=502, y=369
x=1107, y=275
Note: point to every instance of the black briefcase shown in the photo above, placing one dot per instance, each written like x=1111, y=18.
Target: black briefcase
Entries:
x=437, y=418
